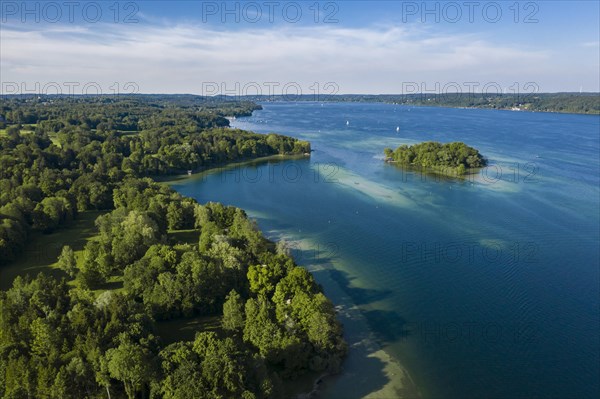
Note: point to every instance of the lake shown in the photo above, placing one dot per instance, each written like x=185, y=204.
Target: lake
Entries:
x=482, y=287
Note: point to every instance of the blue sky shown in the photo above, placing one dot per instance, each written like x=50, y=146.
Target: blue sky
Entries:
x=281, y=47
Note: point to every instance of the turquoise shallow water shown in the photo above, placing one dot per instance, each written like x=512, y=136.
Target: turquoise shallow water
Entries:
x=482, y=288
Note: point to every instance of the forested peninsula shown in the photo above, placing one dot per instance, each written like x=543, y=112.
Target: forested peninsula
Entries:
x=451, y=159
x=88, y=325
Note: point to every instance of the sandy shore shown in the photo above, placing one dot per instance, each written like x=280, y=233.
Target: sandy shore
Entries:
x=368, y=371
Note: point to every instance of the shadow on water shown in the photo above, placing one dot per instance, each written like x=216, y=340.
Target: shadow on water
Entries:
x=360, y=296
x=387, y=325
x=366, y=369
x=203, y=172
x=361, y=376
x=313, y=259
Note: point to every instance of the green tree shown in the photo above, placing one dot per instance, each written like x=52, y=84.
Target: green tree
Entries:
x=207, y=234
x=175, y=216
x=67, y=262
x=135, y=234
x=233, y=312
x=131, y=364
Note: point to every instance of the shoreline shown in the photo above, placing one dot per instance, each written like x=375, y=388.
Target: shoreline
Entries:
x=487, y=108
x=367, y=366
x=368, y=371
x=177, y=177
x=436, y=106
x=445, y=172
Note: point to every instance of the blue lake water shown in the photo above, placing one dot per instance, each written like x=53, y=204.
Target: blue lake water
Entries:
x=487, y=287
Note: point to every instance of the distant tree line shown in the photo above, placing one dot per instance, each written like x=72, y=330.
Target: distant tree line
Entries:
x=575, y=103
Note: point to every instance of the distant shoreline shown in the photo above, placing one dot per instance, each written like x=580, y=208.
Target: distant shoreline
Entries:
x=575, y=103
x=559, y=103
x=434, y=106
x=567, y=103
x=493, y=109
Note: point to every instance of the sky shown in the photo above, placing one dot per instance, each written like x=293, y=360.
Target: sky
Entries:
x=299, y=47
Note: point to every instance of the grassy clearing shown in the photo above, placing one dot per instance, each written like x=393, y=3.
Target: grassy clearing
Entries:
x=114, y=283
x=29, y=129
x=185, y=329
x=26, y=129
x=184, y=236
x=41, y=254
x=128, y=132
x=54, y=139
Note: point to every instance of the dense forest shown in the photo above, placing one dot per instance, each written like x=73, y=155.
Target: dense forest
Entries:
x=63, y=155
x=451, y=158
x=574, y=103
x=91, y=332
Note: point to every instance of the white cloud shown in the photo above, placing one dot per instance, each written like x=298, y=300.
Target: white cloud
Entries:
x=595, y=45
x=179, y=58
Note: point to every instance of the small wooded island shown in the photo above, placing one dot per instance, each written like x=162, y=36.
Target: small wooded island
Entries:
x=452, y=159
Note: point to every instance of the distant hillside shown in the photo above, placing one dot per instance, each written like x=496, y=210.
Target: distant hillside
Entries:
x=575, y=103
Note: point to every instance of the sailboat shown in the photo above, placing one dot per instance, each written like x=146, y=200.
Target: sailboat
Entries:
x=347, y=123
x=397, y=129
